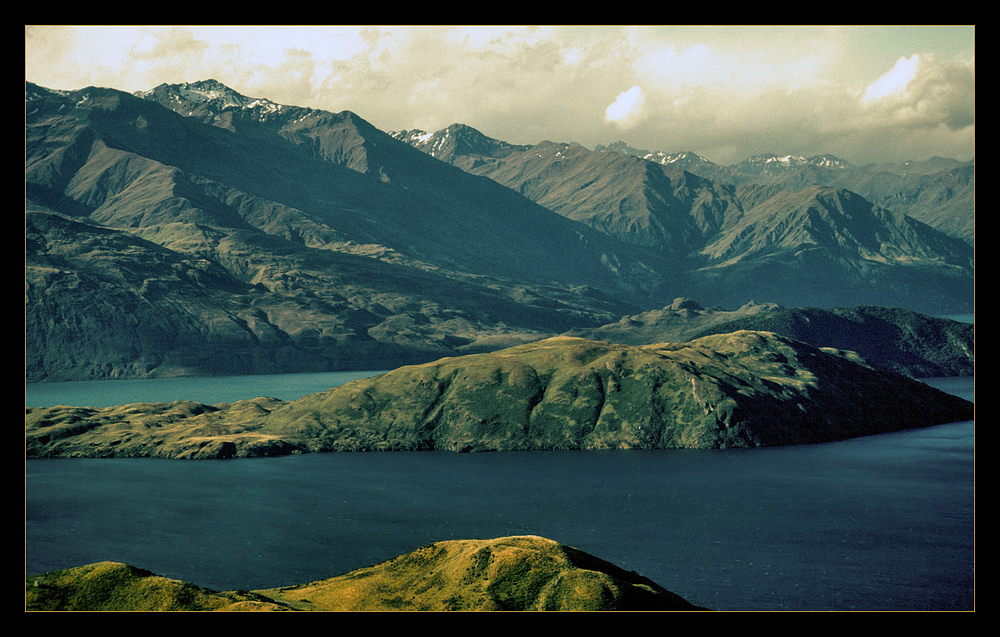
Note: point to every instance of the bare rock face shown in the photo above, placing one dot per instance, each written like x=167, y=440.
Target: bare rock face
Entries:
x=737, y=390
x=523, y=573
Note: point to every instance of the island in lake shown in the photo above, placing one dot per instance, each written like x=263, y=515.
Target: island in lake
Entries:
x=737, y=390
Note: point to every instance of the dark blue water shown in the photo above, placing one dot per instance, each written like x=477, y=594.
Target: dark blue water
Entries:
x=876, y=523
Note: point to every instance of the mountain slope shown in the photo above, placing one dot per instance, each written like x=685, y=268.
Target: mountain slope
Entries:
x=814, y=246
x=622, y=196
x=817, y=246
x=426, y=209
x=325, y=266
x=939, y=192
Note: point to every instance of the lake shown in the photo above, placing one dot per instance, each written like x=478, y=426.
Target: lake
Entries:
x=877, y=523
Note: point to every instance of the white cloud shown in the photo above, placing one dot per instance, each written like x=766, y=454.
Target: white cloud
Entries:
x=895, y=81
x=926, y=93
x=626, y=108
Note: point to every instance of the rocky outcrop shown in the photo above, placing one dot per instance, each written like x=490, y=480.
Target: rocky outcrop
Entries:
x=738, y=390
x=523, y=573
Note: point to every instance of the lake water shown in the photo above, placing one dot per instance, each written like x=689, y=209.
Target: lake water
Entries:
x=211, y=391
x=878, y=523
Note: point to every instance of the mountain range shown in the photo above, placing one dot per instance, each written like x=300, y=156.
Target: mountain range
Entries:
x=938, y=191
x=189, y=229
x=777, y=229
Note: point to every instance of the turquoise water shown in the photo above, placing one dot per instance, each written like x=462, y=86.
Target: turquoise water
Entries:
x=210, y=391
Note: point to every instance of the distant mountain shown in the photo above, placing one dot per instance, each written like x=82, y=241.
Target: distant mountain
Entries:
x=684, y=159
x=455, y=142
x=938, y=191
x=420, y=208
x=813, y=245
x=769, y=164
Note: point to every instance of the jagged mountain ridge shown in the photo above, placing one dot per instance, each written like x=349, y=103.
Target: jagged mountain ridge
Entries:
x=804, y=246
x=938, y=191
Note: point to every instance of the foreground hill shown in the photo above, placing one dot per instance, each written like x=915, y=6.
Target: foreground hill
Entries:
x=522, y=573
x=111, y=586
x=891, y=338
x=745, y=389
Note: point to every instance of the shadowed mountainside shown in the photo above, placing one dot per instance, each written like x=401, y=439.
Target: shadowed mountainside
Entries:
x=905, y=342
x=745, y=389
x=107, y=303
x=891, y=338
x=522, y=573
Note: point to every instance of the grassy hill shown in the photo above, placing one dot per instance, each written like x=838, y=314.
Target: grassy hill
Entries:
x=523, y=573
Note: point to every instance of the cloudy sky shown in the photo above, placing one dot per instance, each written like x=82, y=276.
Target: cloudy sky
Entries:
x=865, y=94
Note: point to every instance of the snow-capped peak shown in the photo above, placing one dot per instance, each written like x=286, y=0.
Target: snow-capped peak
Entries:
x=212, y=93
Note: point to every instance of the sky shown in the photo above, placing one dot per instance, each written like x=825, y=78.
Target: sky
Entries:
x=863, y=93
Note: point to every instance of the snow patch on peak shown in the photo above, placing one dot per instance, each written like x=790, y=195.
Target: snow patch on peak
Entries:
x=212, y=93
